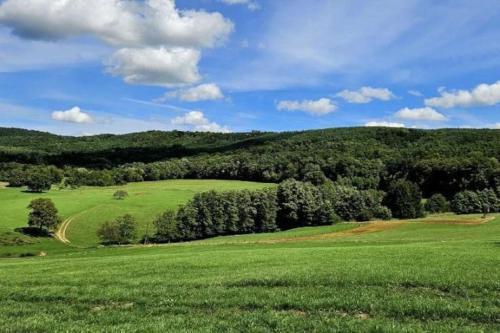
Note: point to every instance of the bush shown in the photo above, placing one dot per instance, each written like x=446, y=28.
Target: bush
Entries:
x=437, y=203
x=120, y=195
x=404, y=199
x=123, y=230
x=43, y=214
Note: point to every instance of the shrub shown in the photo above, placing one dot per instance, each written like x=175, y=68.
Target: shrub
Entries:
x=437, y=203
x=120, y=195
x=43, y=214
x=404, y=199
x=123, y=230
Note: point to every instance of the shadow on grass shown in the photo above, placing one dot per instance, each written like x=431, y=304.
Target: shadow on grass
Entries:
x=34, y=232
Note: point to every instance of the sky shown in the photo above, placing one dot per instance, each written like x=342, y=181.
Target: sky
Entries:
x=84, y=67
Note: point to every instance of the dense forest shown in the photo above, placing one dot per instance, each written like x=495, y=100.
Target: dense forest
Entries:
x=443, y=161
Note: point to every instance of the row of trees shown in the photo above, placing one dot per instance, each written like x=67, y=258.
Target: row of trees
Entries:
x=292, y=204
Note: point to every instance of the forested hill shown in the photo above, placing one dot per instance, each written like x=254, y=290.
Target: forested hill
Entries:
x=446, y=161
x=33, y=147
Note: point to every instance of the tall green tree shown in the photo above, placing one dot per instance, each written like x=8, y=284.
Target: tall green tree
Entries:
x=404, y=199
x=43, y=214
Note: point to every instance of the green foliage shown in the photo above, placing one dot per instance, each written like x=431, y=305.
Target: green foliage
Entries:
x=123, y=230
x=404, y=199
x=213, y=213
x=43, y=214
x=302, y=204
x=468, y=202
x=351, y=204
x=120, y=194
x=437, y=204
x=166, y=227
x=38, y=182
x=440, y=161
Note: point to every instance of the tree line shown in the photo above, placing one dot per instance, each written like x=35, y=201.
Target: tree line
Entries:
x=289, y=205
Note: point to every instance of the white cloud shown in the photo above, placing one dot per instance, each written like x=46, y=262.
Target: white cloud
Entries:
x=252, y=5
x=496, y=126
x=162, y=67
x=143, y=32
x=482, y=95
x=319, y=107
x=366, y=95
x=426, y=113
x=118, y=22
x=203, y=92
x=198, y=122
x=383, y=124
x=73, y=115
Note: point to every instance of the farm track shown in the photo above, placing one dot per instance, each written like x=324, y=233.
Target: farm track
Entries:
x=60, y=234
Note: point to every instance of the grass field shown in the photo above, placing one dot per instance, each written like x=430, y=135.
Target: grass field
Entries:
x=89, y=207
x=437, y=274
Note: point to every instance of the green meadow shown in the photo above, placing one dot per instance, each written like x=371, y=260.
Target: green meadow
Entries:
x=89, y=207
x=437, y=274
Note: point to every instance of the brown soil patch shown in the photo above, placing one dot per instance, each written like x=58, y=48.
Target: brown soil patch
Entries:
x=369, y=227
x=458, y=221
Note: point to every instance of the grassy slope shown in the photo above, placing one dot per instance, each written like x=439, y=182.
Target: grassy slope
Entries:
x=91, y=206
x=433, y=275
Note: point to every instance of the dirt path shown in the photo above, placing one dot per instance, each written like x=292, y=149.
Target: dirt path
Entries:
x=61, y=232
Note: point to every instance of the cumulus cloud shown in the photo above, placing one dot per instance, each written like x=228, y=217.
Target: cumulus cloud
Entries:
x=366, y=95
x=143, y=32
x=252, y=5
x=426, y=113
x=482, y=95
x=203, y=92
x=383, y=124
x=156, y=66
x=319, y=107
x=73, y=115
x=197, y=121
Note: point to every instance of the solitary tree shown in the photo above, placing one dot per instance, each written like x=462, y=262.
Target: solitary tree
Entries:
x=120, y=194
x=43, y=214
x=123, y=230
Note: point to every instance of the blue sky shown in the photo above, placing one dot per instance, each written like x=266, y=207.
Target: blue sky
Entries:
x=82, y=67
